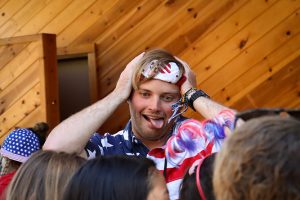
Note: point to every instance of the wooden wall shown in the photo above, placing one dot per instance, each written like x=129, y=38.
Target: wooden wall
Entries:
x=29, y=85
x=245, y=52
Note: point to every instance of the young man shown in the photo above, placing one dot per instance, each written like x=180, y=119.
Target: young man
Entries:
x=151, y=83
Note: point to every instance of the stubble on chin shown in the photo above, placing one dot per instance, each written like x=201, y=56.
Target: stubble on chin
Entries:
x=143, y=132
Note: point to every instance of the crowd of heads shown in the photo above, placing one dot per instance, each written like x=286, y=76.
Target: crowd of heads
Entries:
x=62, y=176
x=260, y=160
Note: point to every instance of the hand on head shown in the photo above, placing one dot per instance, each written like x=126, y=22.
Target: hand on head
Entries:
x=124, y=84
x=190, y=81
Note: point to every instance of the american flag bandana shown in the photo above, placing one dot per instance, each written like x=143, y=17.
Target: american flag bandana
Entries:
x=169, y=73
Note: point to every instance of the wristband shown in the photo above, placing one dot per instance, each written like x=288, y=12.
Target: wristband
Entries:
x=188, y=93
x=192, y=94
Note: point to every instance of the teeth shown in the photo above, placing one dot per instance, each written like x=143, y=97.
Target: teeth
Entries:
x=155, y=117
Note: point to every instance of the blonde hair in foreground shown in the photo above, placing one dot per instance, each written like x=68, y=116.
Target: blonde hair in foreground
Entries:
x=43, y=176
x=260, y=161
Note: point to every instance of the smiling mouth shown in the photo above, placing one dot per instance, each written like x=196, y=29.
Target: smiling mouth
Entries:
x=155, y=121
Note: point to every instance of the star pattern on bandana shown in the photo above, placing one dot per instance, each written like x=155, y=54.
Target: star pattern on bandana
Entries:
x=21, y=142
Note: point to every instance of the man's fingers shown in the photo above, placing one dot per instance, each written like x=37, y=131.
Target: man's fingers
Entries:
x=136, y=59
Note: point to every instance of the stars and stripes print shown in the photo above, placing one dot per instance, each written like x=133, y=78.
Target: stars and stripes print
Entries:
x=124, y=142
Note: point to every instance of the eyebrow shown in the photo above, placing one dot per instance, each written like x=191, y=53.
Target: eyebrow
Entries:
x=170, y=92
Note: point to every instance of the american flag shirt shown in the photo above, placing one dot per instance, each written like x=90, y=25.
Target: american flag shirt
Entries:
x=124, y=142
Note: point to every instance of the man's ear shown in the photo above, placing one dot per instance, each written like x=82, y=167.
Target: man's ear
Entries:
x=130, y=96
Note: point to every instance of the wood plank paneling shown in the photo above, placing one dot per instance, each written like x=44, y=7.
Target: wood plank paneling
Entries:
x=287, y=79
x=267, y=94
x=252, y=55
x=10, y=51
x=86, y=19
x=124, y=28
x=237, y=45
x=69, y=14
x=9, y=8
x=17, y=89
x=269, y=65
x=44, y=17
x=121, y=48
x=30, y=119
x=28, y=82
x=3, y=2
x=25, y=105
x=202, y=20
x=206, y=45
x=19, y=65
x=20, y=18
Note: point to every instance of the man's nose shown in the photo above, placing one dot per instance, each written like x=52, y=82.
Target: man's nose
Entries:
x=154, y=103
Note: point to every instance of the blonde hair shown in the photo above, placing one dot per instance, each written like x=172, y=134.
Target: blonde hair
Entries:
x=43, y=176
x=162, y=58
x=260, y=161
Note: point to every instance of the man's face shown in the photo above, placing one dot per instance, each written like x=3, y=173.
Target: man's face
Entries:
x=150, y=109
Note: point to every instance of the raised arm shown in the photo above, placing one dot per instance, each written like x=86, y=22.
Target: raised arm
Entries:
x=72, y=134
x=203, y=105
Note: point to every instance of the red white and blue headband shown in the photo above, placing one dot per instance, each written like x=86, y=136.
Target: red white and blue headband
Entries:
x=170, y=72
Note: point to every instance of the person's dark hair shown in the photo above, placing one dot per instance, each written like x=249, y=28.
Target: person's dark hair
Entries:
x=189, y=190
x=43, y=176
x=113, y=178
x=260, y=161
x=41, y=130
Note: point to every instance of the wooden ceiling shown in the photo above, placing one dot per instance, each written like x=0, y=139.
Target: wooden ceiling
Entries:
x=245, y=52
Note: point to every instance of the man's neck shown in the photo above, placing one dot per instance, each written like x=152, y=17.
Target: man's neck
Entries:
x=154, y=144
x=158, y=143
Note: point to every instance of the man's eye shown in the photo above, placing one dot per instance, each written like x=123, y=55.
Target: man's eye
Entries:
x=168, y=98
x=144, y=94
